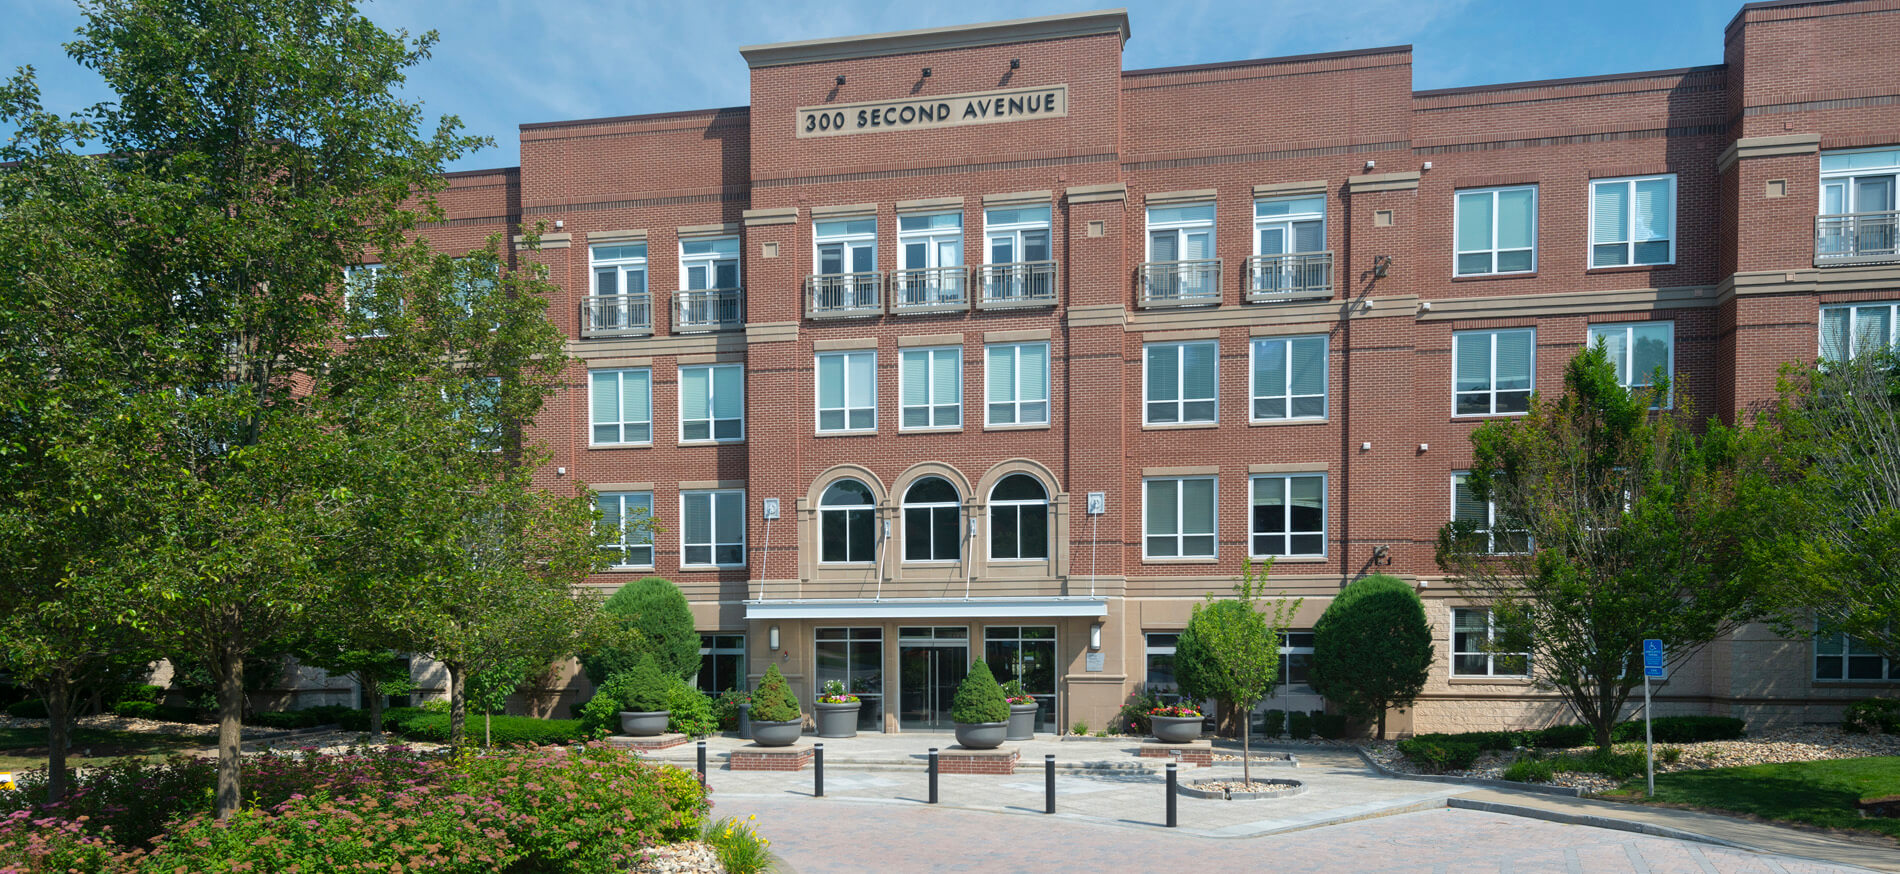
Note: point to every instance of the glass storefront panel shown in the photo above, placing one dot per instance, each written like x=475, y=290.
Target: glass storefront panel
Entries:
x=1027, y=652
x=855, y=657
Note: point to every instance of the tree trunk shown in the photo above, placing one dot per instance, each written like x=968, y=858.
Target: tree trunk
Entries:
x=458, y=706
x=1382, y=723
x=372, y=684
x=230, y=680
x=1246, y=747
x=488, y=739
x=58, y=722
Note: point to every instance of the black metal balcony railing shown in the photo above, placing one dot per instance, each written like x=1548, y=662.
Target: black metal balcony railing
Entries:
x=1857, y=238
x=930, y=290
x=712, y=309
x=1020, y=284
x=1180, y=283
x=844, y=295
x=1302, y=276
x=617, y=315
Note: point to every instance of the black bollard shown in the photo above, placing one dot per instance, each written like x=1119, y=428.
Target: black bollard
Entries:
x=702, y=761
x=933, y=775
x=818, y=770
x=1049, y=783
x=1171, y=767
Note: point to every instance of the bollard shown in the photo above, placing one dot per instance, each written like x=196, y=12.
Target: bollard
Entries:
x=702, y=762
x=1171, y=767
x=818, y=770
x=1049, y=783
x=933, y=775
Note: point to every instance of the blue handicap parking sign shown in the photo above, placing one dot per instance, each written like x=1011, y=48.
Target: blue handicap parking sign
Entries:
x=1652, y=653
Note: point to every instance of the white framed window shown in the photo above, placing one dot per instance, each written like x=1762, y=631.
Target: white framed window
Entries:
x=1860, y=189
x=1474, y=639
x=927, y=240
x=1639, y=350
x=708, y=263
x=1495, y=230
x=1633, y=221
x=1287, y=515
x=1180, y=382
x=1843, y=657
x=712, y=403
x=1493, y=371
x=1296, y=658
x=619, y=268
x=1289, y=378
x=712, y=528
x=623, y=514
x=620, y=406
x=1019, y=519
x=847, y=391
x=1016, y=384
x=1482, y=521
x=1181, y=233
x=1158, y=652
x=933, y=512
x=482, y=400
x=844, y=246
x=847, y=524
x=359, y=290
x=1177, y=517
x=1016, y=234
x=931, y=383
x=1849, y=331
x=1289, y=225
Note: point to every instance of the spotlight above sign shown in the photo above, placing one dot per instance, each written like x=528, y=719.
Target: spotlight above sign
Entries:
x=921, y=113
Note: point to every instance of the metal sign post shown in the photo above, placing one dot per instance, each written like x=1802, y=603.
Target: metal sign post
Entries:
x=1653, y=668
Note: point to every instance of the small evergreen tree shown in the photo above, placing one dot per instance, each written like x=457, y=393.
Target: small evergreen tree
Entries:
x=1230, y=651
x=1372, y=648
x=979, y=699
x=774, y=701
x=655, y=610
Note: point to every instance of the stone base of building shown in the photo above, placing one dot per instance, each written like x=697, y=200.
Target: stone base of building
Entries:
x=753, y=757
x=1199, y=753
x=648, y=744
x=960, y=760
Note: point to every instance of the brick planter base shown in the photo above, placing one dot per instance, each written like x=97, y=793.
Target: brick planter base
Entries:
x=753, y=757
x=647, y=744
x=957, y=760
x=1198, y=753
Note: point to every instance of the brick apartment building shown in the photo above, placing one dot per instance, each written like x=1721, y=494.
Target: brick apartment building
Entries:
x=1030, y=352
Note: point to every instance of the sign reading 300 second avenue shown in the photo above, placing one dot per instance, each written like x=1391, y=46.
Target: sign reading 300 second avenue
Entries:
x=917, y=113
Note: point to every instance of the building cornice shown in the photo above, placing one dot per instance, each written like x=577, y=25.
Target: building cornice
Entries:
x=963, y=36
x=1767, y=147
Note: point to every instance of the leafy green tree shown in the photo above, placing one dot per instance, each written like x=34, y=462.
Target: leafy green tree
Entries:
x=1632, y=528
x=1372, y=648
x=489, y=688
x=658, y=623
x=1230, y=651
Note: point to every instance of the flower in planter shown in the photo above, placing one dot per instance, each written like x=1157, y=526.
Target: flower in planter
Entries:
x=1176, y=711
x=834, y=693
x=1014, y=694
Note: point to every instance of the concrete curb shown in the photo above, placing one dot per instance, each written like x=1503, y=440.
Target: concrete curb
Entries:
x=1476, y=782
x=1594, y=821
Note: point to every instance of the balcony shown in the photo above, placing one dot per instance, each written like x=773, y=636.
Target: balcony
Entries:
x=930, y=290
x=713, y=309
x=1180, y=283
x=1856, y=238
x=1021, y=284
x=617, y=315
x=1304, y=276
x=844, y=295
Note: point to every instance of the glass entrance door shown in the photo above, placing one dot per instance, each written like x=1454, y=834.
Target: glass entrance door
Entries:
x=855, y=657
x=932, y=663
x=1028, y=653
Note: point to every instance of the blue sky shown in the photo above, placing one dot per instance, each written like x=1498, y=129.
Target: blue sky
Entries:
x=501, y=63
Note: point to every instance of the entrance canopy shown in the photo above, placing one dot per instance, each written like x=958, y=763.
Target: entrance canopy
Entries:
x=928, y=608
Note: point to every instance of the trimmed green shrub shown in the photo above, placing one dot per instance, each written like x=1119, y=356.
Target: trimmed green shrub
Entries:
x=396, y=718
x=1331, y=726
x=1372, y=649
x=725, y=708
x=646, y=685
x=689, y=711
x=655, y=608
x=1299, y=725
x=1133, y=718
x=31, y=708
x=1561, y=737
x=1437, y=755
x=979, y=699
x=1872, y=715
x=1273, y=723
x=506, y=731
x=1682, y=729
x=774, y=702
x=1530, y=770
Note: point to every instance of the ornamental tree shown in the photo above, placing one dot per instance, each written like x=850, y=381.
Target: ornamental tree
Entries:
x=1230, y=651
x=979, y=698
x=1372, y=648
x=774, y=701
x=658, y=623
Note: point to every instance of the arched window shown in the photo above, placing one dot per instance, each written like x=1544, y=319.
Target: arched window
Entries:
x=847, y=523
x=931, y=511
x=1019, y=518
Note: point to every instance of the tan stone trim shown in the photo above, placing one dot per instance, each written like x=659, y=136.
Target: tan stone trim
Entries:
x=1042, y=426
x=1767, y=147
x=1202, y=334
x=1098, y=314
x=712, y=484
x=638, y=236
x=1018, y=198
x=684, y=344
x=1816, y=280
x=714, y=358
x=1111, y=192
x=1180, y=426
x=1113, y=21
x=784, y=215
x=1281, y=423
x=1291, y=467
x=771, y=332
x=843, y=209
x=1290, y=189
x=548, y=241
x=1190, y=196
x=1190, y=470
x=1294, y=330
x=930, y=340
x=1015, y=336
x=1407, y=181
x=610, y=363
x=621, y=487
x=1307, y=315
x=722, y=229
x=844, y=343
x=1571, y=302
x=930, y=204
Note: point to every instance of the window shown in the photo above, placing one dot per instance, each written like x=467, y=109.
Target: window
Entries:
x=1639, y=350
x=932, y=381
x=1180, y=380
x=1496, y=230
x=712, y=529
x=1852, y=331
x=1858, y=199
x=1493, y=371
x=359, y=295
x=1016, y=234
x=621, y=405
x=1181, y=233
x=846, y=246
x=709, y=263
x=619, y=269
x=1160, y=658
x=1296, y=657
x=932, y=513
x=482, y=400
x=1482, y=521
x=854, y=657
x=1289, y=378
x=1018, y=384
x=712, y=402
x=1477, y=644
x=1019, y=519
x=623, y=513
x=1289, y=225
x=930, y=252
x=1289, y=515
x=1026, y=653
x=847, y=391
x=847, y=524
x=721, y=663
x=1843, y=657
x=1178, y=517
x=1633, y=221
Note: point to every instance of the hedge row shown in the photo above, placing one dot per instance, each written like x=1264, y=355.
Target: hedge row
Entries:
x=1456, y=752
x=505, y=731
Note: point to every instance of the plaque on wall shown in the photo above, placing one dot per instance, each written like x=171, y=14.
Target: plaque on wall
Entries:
x=1095, y=662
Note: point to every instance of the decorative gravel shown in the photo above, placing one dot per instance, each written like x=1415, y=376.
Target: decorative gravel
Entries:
x=119, y=723
x=688, y=858
x=1257, y=757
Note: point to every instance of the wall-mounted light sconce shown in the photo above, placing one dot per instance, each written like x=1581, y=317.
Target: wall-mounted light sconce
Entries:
x=841, y=80
x=771, y=638
x=560, y=471
x=1095, y=637
x=1381, y=264
x=926, y=72
x=1015, y=63
x=1382, y=555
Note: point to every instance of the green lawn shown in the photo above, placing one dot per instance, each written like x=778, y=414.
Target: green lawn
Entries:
x=25, y=748
x=1810, y=793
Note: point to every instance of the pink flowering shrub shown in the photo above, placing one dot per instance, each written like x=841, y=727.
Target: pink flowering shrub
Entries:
x=30, y=845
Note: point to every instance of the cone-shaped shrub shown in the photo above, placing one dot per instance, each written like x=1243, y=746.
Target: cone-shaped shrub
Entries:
x=1372, y=648
x=655, y=608
x=979, y=699
x=774, y=702
x=643, y=686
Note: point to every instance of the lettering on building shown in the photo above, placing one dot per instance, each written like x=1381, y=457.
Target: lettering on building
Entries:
x=919, y=113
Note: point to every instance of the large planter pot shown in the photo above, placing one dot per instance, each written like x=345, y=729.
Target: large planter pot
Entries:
x=777, y=734
x=643, y=724
x=1176, y=729
x=982, y=735
x=1022, y=721
x=837, y=720
x=745, y=720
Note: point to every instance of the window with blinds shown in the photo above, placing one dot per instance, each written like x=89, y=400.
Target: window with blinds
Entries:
x=1178, y=517
x=619, y=269
x=1478, y=647
x=712, y=528
x=1495, y=230
x=1492, y=371
x=1289, y=225
x=1640, y=351
x=1289, y=378
x=1288, y=516
x=1016, y=384
x=1633, y=221
x=1181, y=233
x=847, y=391
x=932, y=388
x=712, y=403
x=621, y=514
x=1180, y=382
x=620, y=404
x=1479, y=519
x=708, y=263
x=1849, y=332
